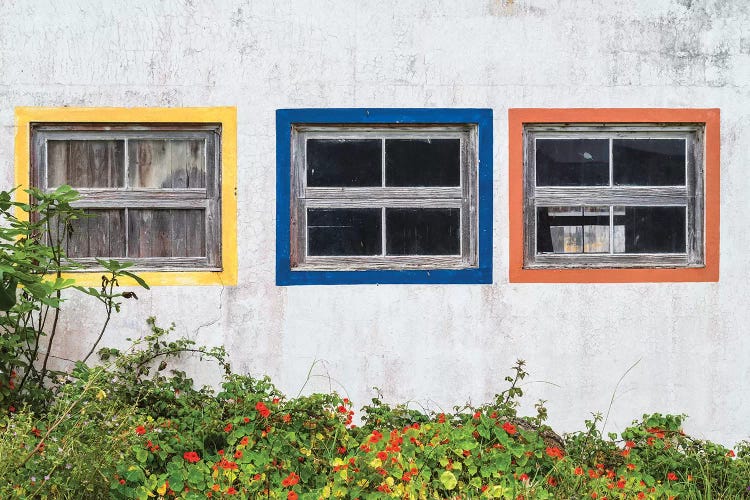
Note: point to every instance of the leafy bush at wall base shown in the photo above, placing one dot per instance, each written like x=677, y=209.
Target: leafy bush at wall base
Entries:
x=113, y=432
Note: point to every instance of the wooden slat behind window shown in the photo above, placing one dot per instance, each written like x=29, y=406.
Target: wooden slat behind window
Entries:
x=101, y=234
x=166, y=233
x=86, y=163
x=169, y=163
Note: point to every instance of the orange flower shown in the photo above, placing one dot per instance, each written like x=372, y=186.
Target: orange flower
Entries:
x=292, y=496
x=555, y=452
x=262, y=409
x=509, y=428
x=578, y=471
x=631, y=466
x=287, y=418
x=290, y=480
x=216, y=487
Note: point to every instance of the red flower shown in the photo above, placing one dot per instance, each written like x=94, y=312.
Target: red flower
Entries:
x=441, y=418
x=228, y=428
x=246, y=420
x=231, y=491
x=625, y=453
x=140, y=430
x=578, y=471
x=287, y=418
x=631, y=466
x=262, y=409
x=275, y=401
x=244, y=441
x=621, y=484
x=524, y=477
x=382, y=455
x=291, y=496
x=290, y=480
x=477, y=415
x=509, y=428
x=342, y=450
x=551, y=481
x=672, y=476
x=122, y=481
x=629, y=444
x=238, y=454
x=555, y=452
x=191, y=457
x=641, y=494
x=730, y=453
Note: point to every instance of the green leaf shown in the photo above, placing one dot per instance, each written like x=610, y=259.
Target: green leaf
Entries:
x=140, y=454
x=8, y=294
x=448, y=479
x=137, y=279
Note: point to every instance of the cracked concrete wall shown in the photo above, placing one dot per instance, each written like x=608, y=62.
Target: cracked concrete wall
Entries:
x=433, y=345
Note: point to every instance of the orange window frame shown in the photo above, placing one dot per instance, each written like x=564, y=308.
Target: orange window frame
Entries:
x=709, y=118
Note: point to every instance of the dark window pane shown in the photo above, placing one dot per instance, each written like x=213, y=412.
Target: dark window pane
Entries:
x=423, y=162
x=572, y=230
x=650, y=229
x=344, y=162
x=423, y=231
x=572, y=162
x=344, y=231
x=648, y=162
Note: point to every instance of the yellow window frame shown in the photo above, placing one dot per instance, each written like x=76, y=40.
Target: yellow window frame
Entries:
x=226, y=116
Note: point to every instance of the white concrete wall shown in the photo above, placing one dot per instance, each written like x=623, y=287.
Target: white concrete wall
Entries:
x=434, y=345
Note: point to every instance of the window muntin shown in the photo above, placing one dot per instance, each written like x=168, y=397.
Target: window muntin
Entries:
x=397, y=197
x=153, y=190
x=613, y=196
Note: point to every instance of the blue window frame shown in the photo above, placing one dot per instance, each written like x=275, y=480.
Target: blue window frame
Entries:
x=383, y=196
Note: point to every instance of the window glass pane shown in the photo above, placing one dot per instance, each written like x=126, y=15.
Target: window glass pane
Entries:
x=572, y=230
x=595, y=229
x=650, y=229
x=648, y=162
x=344, y=162
x=166, y=233
x=423, y=162
x=423, y=231
x=344, y=231
x=101, y=233
x=167, y=163
x=85, y=164
x=572, y=162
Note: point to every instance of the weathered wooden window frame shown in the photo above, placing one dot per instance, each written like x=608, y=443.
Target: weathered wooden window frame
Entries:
x=207, y=198
x=691, y=195
x=463, y=197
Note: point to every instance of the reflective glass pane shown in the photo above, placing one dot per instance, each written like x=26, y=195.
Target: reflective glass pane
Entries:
x=344, y=231
x=423, y=162
x=648, y=162
x=423, y=231
x=650, y=229
x=572, y=162
x=572, y=230
x=596, y=229
x=344, y=162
